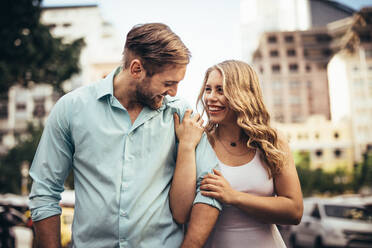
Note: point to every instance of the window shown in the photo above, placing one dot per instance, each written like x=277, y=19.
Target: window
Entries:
x=272, y=39
x=293, y=67
x=337, y=153
x=277, y=85
x=51, y=26
x=368, y=53
x=296, y=118
x=322, y=66
x=66, y=25
x=294, y=84
x=327, y=52
x=4, y=109
x=295, y=100
x=315, y=213
x=336, y=135
x=323, y=38
x=278, y=101
x=274, y=53
x=288, y=38
x=39, y=108
x=317, y=136
x=308, y=68
x=21, y=106
x=275, y=68
x=365, y=38
x=318, y=153
x=291, y=52
x=279, y=117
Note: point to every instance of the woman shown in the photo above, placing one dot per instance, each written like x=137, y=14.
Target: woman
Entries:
x=257, y=182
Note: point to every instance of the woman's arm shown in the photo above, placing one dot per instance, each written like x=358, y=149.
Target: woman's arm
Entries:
x=285, y=208
x=182, y=192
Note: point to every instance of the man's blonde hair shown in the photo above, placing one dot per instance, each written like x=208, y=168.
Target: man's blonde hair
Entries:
x=242, y=90
x=156, y=46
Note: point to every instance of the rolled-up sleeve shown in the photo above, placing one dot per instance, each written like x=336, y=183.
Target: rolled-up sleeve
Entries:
x=52, y=163
x=206, y=161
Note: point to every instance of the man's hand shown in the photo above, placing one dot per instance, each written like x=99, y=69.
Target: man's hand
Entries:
x=203, y=218
x=48, y=232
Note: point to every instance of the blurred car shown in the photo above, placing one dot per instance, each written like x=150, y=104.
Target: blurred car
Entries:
x=333, y=222
x=66, y=224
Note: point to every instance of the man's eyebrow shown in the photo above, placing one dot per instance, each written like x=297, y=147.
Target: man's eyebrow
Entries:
x=171, y=82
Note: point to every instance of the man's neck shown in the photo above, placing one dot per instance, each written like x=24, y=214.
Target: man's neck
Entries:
x=124, y=91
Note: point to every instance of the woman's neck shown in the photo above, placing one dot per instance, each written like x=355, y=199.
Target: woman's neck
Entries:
x=230, y=132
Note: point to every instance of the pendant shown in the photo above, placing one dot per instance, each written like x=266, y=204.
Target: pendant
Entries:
x=233, y=144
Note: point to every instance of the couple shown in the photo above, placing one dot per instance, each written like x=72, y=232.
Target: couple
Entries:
x=136, y=183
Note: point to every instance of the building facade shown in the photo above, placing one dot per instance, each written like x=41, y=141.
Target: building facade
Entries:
x=99, y=57
x=259, y=16
x=292, y=68
x=329, y=144
x=350, y=77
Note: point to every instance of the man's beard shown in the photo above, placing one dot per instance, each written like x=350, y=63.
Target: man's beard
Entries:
x=145, y=97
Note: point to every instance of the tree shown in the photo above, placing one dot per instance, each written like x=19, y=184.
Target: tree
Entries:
x=30, y=54
x=28, y=51
x=10, y=176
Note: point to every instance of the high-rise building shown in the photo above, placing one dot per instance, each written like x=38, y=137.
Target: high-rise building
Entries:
x=259, y=16
x=292, y=71
x=350, y=77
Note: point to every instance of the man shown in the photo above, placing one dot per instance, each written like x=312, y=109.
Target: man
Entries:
x=118, y=138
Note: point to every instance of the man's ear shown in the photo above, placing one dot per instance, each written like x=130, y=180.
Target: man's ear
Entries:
x=136, y=69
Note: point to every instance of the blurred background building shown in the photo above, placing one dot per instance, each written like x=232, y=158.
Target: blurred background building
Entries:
x=316, y=64
x=100, y=55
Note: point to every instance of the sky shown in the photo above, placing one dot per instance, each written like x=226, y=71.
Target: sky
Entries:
x=209, y=28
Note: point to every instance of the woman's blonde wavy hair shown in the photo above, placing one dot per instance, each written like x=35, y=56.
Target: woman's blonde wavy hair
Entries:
x=242, y=90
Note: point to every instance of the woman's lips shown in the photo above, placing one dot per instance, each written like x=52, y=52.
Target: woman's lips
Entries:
x=215, y=109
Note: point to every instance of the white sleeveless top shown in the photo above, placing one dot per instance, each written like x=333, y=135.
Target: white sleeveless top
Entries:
x=235, y=228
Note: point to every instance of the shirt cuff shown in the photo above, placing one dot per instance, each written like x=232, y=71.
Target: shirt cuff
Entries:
x=43, y=208
x=207, y=200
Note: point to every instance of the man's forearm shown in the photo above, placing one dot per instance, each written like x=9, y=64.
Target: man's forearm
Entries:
x=48, y=232
x=203, y=218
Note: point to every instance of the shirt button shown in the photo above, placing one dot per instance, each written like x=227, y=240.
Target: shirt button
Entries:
x=123, y=213
x=125, y=185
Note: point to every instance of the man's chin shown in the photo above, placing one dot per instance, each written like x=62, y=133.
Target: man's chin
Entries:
x=155, y=105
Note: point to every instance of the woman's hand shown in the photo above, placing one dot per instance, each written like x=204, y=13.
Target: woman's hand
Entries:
x=218, y=187
x=188, y=132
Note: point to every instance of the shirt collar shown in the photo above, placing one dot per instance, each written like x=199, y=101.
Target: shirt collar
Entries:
x=106, y=86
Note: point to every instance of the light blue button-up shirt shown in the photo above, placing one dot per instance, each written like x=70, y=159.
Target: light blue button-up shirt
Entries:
x=122, y=171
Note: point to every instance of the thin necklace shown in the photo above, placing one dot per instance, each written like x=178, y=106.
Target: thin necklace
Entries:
x=226, y=149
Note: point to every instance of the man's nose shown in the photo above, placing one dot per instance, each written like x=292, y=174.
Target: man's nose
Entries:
x=172, y=91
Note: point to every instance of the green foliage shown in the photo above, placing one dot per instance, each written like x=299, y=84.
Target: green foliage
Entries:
x=318, y=181
x=28, y=51
x=10, y=164
x=10, y=177
x=363, y=172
